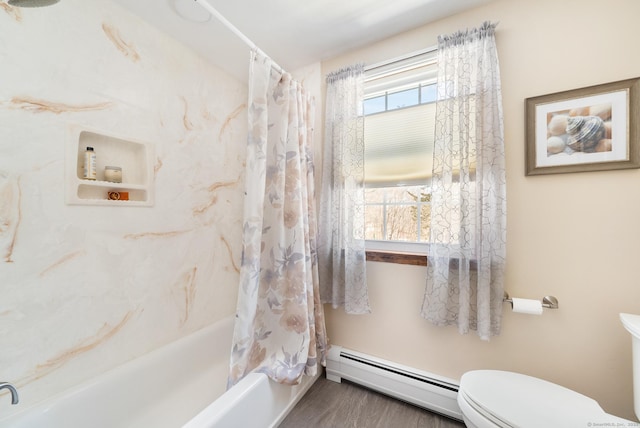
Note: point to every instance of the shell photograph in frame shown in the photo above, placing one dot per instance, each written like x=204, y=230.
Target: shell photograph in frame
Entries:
x=588, y=129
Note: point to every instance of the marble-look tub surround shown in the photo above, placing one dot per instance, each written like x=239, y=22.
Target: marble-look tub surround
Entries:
x=85, y=288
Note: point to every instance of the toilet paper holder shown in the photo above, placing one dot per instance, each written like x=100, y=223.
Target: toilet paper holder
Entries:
x=549, y=302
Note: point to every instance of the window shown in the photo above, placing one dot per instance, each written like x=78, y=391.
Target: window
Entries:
x=399, y=109
x=399, y=213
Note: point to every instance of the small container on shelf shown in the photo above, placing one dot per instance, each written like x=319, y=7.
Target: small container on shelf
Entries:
x=118, y=196
x=113, y=174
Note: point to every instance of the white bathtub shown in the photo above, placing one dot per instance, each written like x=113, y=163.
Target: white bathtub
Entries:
x=254, y=402
x=181, y=383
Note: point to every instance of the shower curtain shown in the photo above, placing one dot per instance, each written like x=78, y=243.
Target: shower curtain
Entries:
x=279, y=327
x=466, y=261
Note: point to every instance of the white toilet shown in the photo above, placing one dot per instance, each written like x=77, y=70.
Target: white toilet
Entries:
x=493, y=398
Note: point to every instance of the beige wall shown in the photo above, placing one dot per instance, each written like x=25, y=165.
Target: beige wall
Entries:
x=574, y=236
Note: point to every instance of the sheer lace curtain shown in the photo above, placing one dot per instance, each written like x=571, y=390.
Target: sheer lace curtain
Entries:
x=466, y=261
x=279, y=327
x=341, y=249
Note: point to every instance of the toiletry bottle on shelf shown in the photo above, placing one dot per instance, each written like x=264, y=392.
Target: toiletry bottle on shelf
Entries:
x=89, y=164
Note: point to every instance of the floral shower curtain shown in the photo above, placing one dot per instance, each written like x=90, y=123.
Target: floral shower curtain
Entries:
x=279, y=328
x=466, y=260
x=341, y=249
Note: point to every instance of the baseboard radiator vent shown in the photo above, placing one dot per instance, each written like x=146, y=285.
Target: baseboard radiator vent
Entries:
x=423, y=389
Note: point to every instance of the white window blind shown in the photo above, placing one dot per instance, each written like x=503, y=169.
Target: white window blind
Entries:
x=399, y=146
x=399, y=138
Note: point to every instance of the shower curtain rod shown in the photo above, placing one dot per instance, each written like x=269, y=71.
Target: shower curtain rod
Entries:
x=235, y=31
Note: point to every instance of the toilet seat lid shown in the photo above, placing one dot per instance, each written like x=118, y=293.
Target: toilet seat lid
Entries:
x=517, y=400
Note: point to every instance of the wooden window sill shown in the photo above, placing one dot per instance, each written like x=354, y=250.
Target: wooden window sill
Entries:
x=398, y=258
x=414, y=259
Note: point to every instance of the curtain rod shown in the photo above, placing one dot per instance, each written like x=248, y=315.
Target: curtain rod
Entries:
x=237, y=32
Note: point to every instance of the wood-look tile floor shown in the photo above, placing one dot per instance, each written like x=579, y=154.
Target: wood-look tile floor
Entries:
x=329, y=404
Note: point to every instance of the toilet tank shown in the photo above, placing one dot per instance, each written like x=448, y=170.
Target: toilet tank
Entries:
x=632, y=324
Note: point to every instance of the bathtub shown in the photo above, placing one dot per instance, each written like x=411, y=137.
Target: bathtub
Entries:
x=179, y=385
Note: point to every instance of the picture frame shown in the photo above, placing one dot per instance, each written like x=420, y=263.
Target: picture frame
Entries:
x=588, y=129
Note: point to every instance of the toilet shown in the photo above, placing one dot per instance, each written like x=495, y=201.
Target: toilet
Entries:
x=494, y=398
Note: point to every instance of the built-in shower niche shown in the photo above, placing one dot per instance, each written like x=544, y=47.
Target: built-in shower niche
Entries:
x=134, y=157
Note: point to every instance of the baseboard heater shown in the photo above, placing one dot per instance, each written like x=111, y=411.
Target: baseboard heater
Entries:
x=423, y=389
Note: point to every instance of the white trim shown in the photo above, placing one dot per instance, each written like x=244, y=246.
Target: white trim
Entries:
x=397, y=246
x=401, y=58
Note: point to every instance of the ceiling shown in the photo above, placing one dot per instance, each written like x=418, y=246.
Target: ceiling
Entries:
x=294, y=33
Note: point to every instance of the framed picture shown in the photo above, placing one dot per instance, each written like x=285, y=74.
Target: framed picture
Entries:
x=587, y=129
